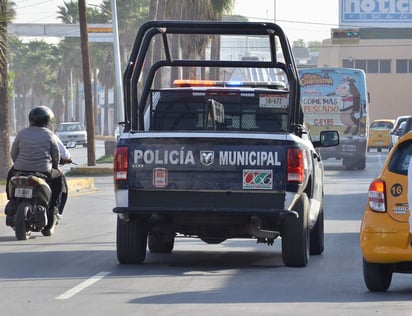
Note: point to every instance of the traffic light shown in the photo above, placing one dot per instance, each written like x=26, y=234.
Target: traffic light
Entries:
x=345, y=36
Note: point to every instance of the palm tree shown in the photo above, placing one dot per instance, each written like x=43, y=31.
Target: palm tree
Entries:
x=219, y=7
x=106, y=77
x=131, y=14
x=193, y=47
x=72, y=68
x=6, y=14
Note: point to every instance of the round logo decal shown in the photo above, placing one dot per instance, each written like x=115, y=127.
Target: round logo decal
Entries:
x=396, y=189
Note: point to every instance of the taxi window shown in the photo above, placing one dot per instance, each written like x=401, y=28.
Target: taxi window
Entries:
x=400, y=159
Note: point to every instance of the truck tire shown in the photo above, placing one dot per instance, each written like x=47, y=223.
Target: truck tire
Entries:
x=295, y=236
x=361, y=163
x=352, y=163
x=317, y=235
x=377, y=276
x=349, y=163
x=131, y=240
x=161, y=243
x=213, y=240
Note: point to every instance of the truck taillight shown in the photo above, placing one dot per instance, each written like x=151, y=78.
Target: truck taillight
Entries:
x=376, y=196
x=121, y=163
x=296, y=165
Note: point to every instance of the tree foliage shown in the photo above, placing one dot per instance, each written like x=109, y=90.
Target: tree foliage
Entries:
x=50, y=74
x=6, y=13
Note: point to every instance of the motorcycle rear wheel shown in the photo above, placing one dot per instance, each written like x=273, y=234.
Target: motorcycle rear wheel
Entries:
x=22, y=229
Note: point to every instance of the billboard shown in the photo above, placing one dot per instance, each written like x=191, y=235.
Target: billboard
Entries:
x=375, y=13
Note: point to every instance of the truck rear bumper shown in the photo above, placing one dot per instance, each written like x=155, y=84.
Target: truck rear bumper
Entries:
x=216, y=202
x=203, y=211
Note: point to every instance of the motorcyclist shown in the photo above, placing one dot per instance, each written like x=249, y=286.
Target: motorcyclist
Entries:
x=35, y=149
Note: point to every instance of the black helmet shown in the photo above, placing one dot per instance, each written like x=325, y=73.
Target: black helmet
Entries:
x=40, y=116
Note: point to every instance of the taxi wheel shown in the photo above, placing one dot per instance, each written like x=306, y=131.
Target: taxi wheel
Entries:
x=377, y=276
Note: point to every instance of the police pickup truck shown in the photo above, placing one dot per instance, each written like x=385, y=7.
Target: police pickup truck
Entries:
x=223, y=156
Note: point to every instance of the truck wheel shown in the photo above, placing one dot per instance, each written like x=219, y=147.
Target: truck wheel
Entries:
x=213, y=240
x=131, y=240
x=295, y=236
x=317, y=235
x=22, y=229
x=349, y=163
x=361, y=163
x=161, y=243
x=377, y=276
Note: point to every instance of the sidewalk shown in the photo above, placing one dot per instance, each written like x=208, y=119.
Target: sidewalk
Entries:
x=79, y=178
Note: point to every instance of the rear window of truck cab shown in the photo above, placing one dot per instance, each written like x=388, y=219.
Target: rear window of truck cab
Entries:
x=214, y=109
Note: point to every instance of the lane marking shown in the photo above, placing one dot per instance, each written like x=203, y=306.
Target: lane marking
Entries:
x=80, y=287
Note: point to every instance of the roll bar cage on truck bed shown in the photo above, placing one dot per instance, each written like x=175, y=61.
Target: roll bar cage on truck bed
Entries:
x=136, y=76
x=227, y=157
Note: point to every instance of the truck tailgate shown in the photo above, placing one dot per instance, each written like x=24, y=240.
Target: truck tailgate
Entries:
x=207, y=164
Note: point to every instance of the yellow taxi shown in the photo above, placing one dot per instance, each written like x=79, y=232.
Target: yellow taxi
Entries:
x=379, y=134
x=384, y=233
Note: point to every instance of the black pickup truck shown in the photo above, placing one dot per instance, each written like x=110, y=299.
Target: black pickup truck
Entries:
x=214, y=143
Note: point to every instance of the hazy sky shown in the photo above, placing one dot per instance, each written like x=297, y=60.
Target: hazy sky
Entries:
x=300, y=19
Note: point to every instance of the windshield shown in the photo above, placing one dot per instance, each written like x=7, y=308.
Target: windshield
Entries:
x=381, y=125
x=70, y=127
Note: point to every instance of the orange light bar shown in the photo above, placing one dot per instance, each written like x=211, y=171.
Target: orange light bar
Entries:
x=194, y=83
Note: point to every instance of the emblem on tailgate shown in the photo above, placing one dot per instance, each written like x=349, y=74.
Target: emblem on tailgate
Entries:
x=257, y=179
x=160, y=177
x=207, y=157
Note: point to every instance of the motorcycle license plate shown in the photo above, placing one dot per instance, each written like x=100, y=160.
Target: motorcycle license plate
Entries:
x=26, y=193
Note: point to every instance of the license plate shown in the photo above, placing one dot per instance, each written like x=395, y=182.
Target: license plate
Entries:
x=26, y=193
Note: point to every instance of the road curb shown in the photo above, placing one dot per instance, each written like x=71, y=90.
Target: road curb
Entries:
x=75, y=185
x=90, y=171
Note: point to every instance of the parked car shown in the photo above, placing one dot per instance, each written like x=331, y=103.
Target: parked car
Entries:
x=72, y=132
x=379, y=134
x=397, y=129
x=384, y=233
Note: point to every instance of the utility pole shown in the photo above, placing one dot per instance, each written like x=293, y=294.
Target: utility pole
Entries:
x=88, y=98
x=116, y=46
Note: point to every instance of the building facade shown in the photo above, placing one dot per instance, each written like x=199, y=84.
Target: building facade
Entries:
x=386, y=57
x=376, y=36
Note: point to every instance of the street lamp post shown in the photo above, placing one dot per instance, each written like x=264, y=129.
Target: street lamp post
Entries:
x=117, y=62
x=116, y=47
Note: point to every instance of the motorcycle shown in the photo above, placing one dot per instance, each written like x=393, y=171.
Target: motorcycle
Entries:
x=29, y=209
x=30, y=198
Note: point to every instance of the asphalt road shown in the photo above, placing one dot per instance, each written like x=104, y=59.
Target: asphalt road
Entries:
x=75, y=272
x=79, y=154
